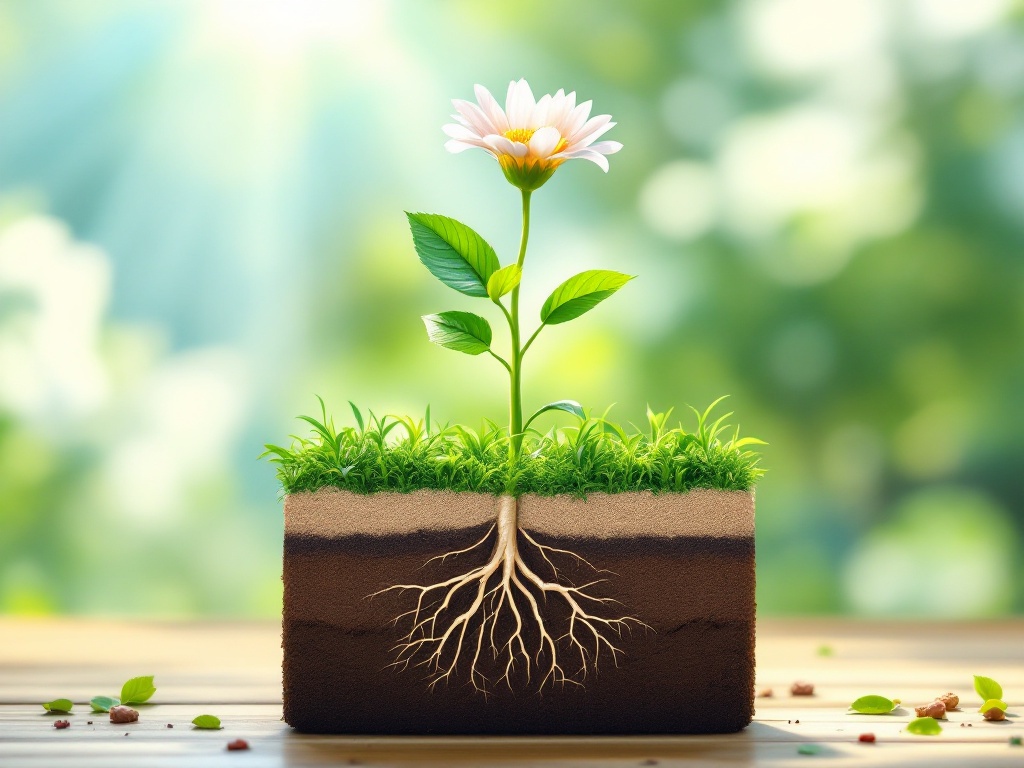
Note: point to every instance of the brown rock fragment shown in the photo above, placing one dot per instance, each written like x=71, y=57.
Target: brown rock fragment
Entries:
x=59, y=724
x=951, y=700
x=936, y=709
x=800, y=688
x=237, y=744
x=994, y=714
x=764, y=693
x=867, y=738
x=122, y=714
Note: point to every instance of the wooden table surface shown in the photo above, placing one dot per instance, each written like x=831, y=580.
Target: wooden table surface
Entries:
x=232, y=670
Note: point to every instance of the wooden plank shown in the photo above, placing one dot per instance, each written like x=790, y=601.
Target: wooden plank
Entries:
x=233, y=671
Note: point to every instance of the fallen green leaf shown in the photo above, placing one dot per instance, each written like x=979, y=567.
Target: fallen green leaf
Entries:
x=987, y=688
x=208, y=722
x=808, y=749
x=58, y=705
x=924, y=726
x=138, y=690
x=873, y=705
x=993, y=703
x=103, y=703
x=825, y=650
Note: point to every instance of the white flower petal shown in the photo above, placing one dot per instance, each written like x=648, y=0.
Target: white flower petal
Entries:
x=474, y=117
x=605, y=147
x=460, y=132
x=503, y=146
x=585, y=154
x=544, y=141
x=559, y=111
x=576, y=119
x=593, y=128
x=454, y=146
x=540, y=112
x=489, y=106
x=519, y=104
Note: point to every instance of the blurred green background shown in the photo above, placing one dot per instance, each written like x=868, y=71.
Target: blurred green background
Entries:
x=201, y=226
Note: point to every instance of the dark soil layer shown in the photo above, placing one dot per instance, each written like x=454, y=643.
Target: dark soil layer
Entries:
x=693, y=673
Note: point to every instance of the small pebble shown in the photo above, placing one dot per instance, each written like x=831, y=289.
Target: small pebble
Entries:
x=237, y=744
x=764, y=693
x=867, y=738
x=800, y=688
x=121, y=714
x=88, y=722
x=796, y=722
x=169, y=725
x=936, y=709
x=951, y=700
x=994, y=714
x=61, y=724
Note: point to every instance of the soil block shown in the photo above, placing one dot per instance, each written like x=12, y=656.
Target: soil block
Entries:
x=682, y=564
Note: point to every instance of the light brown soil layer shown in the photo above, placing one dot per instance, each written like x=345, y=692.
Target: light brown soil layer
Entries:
x=692, y=673
x=701, y=512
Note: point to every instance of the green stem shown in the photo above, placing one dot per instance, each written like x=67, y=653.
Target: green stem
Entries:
x=515, y=418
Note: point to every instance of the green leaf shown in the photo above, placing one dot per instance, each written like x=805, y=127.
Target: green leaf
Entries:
x=137, y=690
x=987, y=688
x=873, y=705
x=569, y=406
x=208, y=722
x=58, y=705
x=103, y=703
x=581, y=294
x=924, y=726
x=993, y=703
x=503, y=281
x=358, y=415
x=808, y=749
x=454, y=253
x=461, y=331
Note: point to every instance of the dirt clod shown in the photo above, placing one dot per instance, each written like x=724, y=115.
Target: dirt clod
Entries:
x=936, y=709
x=801, y=688
x=237, y=744
x=867, y=738
x=951, y=700
x=61, y=724
x=764, y=693
x=170, y=725
x=994, y=714
x=122, y=714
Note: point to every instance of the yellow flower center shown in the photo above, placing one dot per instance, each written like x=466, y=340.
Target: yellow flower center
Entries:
x=521, y=135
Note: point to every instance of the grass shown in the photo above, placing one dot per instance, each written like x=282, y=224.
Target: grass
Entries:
x=398, y=453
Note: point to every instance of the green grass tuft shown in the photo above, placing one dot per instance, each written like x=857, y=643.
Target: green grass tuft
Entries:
x=398, y=453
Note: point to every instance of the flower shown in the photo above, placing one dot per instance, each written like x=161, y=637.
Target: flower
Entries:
x=529, y=138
